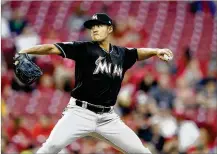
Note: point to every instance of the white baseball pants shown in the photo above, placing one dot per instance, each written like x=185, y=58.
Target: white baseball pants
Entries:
x=79, y=122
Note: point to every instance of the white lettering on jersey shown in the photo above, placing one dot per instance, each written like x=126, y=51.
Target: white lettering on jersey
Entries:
x=103, y=66
x=117, y=71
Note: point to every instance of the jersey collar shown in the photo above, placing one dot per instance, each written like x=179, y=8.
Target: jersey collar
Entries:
x=110, y=47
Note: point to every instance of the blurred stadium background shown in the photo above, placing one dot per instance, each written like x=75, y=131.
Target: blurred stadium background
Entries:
x=171, y=106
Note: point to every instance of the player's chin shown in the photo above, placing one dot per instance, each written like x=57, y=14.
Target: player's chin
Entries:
x=97, y=38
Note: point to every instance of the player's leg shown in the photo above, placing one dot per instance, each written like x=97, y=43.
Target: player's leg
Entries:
x=120, y=135
x=98, y=136
x=77, y=122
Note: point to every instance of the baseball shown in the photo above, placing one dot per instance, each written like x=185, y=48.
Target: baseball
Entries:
x=167, y=57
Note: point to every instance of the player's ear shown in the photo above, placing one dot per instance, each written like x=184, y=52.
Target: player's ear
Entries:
x=110, y=29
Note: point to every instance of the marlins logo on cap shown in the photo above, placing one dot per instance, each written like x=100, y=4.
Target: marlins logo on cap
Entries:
x=94, y=17
x=98, y=18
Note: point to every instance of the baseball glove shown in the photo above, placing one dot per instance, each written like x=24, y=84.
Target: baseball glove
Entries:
x=25, y=70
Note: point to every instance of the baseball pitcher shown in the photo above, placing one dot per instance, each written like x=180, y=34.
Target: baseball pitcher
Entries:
x=99, y=71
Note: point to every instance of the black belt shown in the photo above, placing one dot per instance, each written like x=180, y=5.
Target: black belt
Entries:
x=94, y=108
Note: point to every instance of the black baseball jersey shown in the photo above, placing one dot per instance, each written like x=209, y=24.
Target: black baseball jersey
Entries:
x=98, y=74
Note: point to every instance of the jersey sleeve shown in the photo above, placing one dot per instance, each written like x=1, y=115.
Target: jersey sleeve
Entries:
x=130, y=57
x=72, y=50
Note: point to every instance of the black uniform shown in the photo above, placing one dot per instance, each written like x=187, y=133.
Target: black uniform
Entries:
x=98, y=74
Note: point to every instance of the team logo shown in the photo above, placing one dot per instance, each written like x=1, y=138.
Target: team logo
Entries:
x=94, y=17
x=102, y=66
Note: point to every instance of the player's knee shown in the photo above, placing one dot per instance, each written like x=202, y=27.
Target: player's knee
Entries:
x=139, y=149
x=55, y=147
x=51, y=147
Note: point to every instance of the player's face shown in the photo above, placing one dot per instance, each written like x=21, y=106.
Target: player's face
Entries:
x=100, y=32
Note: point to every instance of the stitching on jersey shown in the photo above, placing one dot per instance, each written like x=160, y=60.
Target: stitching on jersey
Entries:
x=61, y=50
x=111, y=49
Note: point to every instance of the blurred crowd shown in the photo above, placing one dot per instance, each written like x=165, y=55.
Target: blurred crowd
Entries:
x=172, y=106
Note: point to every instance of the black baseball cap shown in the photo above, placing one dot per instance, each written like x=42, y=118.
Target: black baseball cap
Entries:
x=98, y=18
